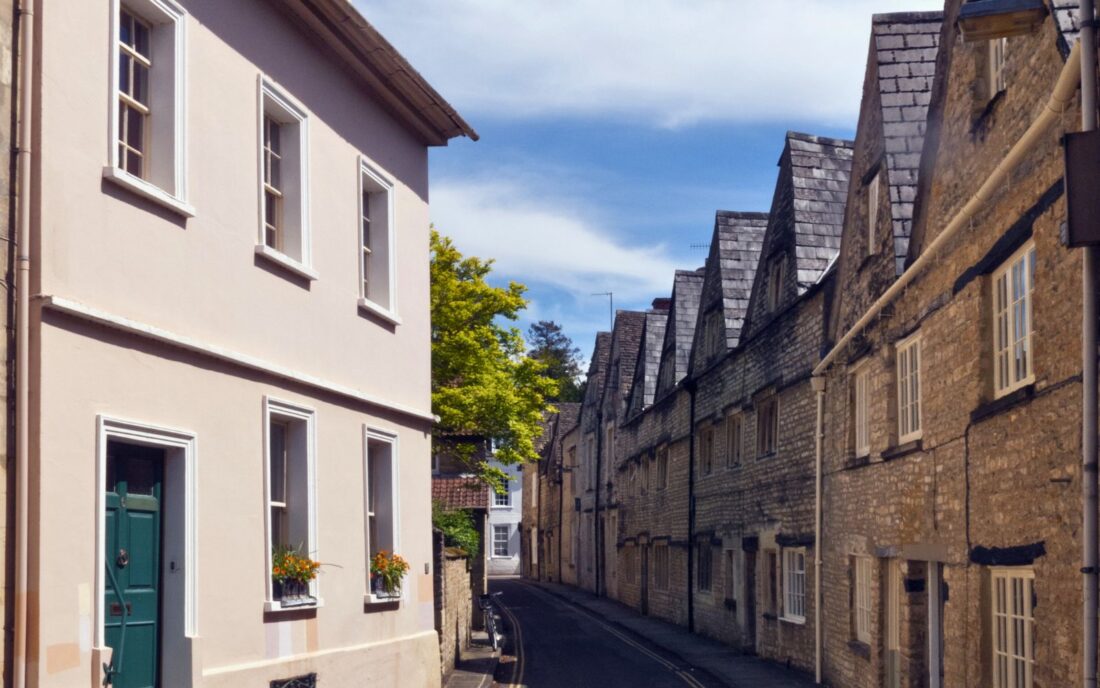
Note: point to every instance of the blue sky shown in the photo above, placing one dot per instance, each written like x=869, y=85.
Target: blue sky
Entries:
x=611, y=131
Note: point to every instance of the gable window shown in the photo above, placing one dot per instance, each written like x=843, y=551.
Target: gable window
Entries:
x=503, y=499
x=381, y=489
x=501, y=533
x=794, y=585
x=662, y=468
x=861, y=599
x=148, y=149
x=860, y=400
x=767, y=426
x=706, y=450
x=909, y=402
x=734, y=440
x=284, y=182
x=703, y=563
x=660, y=566
x=996, y=75
x=1013, y=630
x=872, y=211
x=377, y=257
x=776, y=269
x=1012, y=353
x=713, y=343
x=289, y=474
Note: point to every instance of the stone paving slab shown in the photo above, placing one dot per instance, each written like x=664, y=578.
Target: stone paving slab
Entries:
x=476, y=667
x=721, y=661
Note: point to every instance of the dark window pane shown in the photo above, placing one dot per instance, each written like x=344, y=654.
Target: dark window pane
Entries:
x=273, y=136
x=276, y=178
x=141, y=84
x=278, y=462
x=135, y=129
x=133, y=163
x=124, y=72
x=125, y=21
x=141, y=475
x=141, y=38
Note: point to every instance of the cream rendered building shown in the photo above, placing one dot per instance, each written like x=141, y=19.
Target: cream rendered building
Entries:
x=228, y=339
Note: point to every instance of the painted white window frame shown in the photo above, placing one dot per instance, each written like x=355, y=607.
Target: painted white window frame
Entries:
x=861, y=402
x=873, y=191
x=378, y=185
x=378, y=436
x=184, y=442
x=1006, y=620
x=704, y=567
x=1012, y=311
x=278, y=409
x=662, y=468
x=794, y=584
x=503, y=500
x=998, y=49
x=762, y=451
x=275, y=102
x=735, y=439
x=706, y=449
x=862, y=568
x=910, y=413
x=777, y=268
x=167, y=152
x=661, y=566
x=496, y=540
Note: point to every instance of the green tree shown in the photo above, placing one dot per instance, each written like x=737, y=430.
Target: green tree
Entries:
x=561, y=357
x=482, y=383
x=458, y=528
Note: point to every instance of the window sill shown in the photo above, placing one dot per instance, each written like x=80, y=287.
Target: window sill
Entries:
x=286, y=262
x=765, y=457
x=1003, y=403
x=147, y=191
x=853, y=462
x=860, y=648
x=503, y=507
x=280, y=606
x=372, y=600
x=903, y=449
x=795, y=620
x=376, y=310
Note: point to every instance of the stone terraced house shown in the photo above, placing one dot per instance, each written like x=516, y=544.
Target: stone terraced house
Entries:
x=948, y=425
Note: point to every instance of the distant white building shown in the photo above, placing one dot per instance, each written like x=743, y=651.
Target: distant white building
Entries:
x=505, y=512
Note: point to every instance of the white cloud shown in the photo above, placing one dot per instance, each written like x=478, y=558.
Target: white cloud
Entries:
x=534, y=236
x=668, y=62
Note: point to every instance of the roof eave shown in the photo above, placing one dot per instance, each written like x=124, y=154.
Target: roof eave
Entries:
x=389, y=76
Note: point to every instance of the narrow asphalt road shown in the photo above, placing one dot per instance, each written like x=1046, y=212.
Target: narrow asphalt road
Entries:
x=558, y=645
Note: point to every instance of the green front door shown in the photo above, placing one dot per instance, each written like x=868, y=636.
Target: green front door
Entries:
x=132, y=591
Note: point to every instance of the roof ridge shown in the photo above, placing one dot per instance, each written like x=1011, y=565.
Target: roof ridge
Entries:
x=907, y=17
x=814, y=138
x=742, y=214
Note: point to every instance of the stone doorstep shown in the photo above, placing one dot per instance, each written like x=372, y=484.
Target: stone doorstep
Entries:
x=719, y=661
x=476, y=667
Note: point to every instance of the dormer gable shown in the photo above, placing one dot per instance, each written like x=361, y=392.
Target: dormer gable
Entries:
x=680, y=330
x=644, y=385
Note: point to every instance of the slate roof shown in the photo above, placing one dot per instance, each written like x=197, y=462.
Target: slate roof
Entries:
x=1067, y=17
x=687, y=286
x=597, y=368
x=460, y=492
x=644, y=385
x=820, y=170
x=626, y=339
x=905, y=46
x=738, y=241
x=557, y=425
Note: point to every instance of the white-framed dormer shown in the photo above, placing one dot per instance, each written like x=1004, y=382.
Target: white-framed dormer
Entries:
x=147, y=107
x=377, y=243
x=381, y=500
x=283, y=185
x=290, y=490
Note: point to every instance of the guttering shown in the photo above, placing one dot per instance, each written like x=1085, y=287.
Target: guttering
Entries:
x=1061, y=99
x=22, y=336
x=818, y=384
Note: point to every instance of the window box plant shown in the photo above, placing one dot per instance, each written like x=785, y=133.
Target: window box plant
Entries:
x=291, y=574
x=386, y=571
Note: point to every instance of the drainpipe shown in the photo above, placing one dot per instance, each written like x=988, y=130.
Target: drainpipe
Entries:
x=22, y=336
x=1088, y=374
x=537, y=571
x=598, y=549
x=561, y=510
x=690, y=386
x=818, y=384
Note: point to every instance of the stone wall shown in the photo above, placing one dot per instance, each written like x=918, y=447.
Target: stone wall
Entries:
x=454, y=602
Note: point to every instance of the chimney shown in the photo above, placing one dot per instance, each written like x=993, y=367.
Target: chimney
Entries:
x=662, y=304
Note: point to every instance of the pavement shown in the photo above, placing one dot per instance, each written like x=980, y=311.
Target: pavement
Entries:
x=570, y=638
x=477, y=665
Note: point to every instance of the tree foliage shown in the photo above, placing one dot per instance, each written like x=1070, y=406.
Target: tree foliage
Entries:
x=482, y=383
x=458, y=527
x=562, y=358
